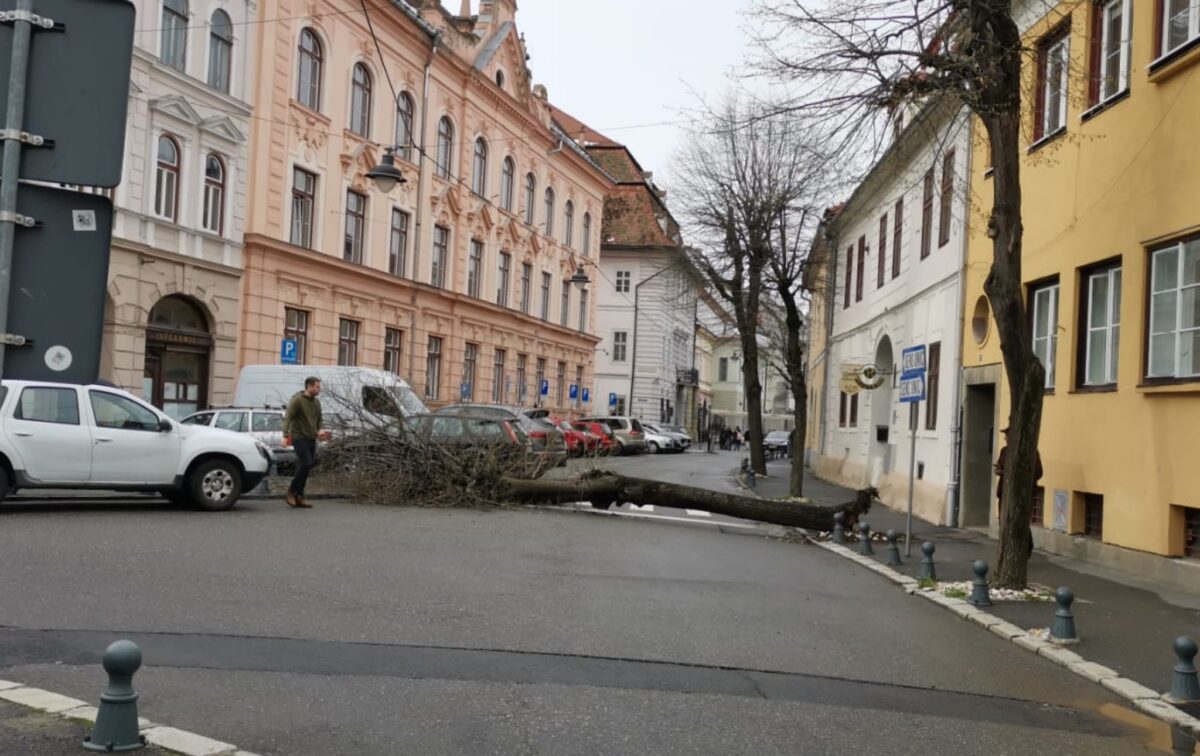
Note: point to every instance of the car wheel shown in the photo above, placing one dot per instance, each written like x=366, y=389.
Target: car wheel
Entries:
x=5, y=484
x=618, y=448
x=652, y=447
x=215, y=485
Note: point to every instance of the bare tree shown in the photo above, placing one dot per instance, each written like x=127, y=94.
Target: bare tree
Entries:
x=854, y=62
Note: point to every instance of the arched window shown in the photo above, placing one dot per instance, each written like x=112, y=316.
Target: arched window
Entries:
x=549, y=211
x=308, y=86
x=214, y=193
x=360, y=100
x=507, y=177
x=569, y=220
x=174, y=33
x=500, y=78
x=405, y=111
x=587, y=234
x=445, y=142
x=166, y=187
x=479, y=168
x=530, y=192
x=220, y=51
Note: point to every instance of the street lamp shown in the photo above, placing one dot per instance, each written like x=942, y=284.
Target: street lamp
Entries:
x=580, y=277
x=386, y=175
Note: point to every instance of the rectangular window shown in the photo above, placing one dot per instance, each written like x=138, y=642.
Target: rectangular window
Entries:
x=42, y=404
x=897, y=236
x=470, y=363
x=565, y=312
x=583, y=310
x=1093, y=516
x=1180, y=24
x=623, y=279
x=393, y=349
x=862, y=265
x=947, y=199
x=854, y=410
x=1110, y=50
x=398, y=245
x=347, y=342
x=723, y=369
x=843, y=408
x=560, y=386
x=356, y=225
x=539, y=380
x=441, y=251
x=933, y=372
x=621, y=344
x=475, y=269
x=1045, y=327
x=927, y=214
x=1036, y=515
x=883, y=232
x=1053, y=69
x=1175, y=311
x=1191, y=533
x=546, y=279
x=849, y=275
x=433, y=368
x=1101, y=325
x=522, y=386
x=499, y=395
x=579, y=385
x=526, y=285
x=304, y=199
x=295, y=327
x=504, y=279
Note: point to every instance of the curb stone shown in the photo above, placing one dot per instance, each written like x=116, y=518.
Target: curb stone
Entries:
x=166, y=738
x=1097, y=673
x=1060, y=655
x=1129, y=689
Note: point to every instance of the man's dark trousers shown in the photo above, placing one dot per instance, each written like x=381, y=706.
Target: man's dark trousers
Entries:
x=306, y=458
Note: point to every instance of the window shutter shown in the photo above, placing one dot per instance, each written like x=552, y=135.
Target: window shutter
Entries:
x=1039, y=98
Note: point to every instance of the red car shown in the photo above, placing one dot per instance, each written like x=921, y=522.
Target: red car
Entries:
x=578, y=441
x=600, y=437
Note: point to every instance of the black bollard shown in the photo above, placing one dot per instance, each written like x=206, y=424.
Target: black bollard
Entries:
x=864, y=539
x=893, y=550
x=116, y=727
x=839, y=527
x=979, y=587
x=1063, y=629
x=928, y=570
x=1185, y=687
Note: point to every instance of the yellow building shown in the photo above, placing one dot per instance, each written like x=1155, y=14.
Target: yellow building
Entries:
x=1111, y=206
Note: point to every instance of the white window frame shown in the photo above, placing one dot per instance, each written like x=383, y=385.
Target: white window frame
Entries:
x=623, y=280
x=1193, y=11
x=1043, y=297
x=1123, y=58
x=1110, y=325
x=1061, y=48
x=1178, y=331
x=620, y=346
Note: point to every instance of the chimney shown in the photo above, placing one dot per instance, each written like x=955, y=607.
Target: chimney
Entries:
x=465, y=10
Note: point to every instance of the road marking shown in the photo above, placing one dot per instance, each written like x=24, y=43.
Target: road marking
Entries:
x=698, y=513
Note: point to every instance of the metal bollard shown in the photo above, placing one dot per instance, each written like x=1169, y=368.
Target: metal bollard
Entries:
x=1182, y=743
x=116, y=727
x=928, y=569
x=1063, y=630
x=979, y=586
x=893, y=550
x=745, y=464
x=750, y=478
x=839, y=527
x=1185, y=687
x=864, y=539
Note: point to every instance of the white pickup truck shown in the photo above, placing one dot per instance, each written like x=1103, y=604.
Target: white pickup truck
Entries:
x=96, y=437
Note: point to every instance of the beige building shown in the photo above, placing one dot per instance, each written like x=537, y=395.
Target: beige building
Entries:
x=458, y=279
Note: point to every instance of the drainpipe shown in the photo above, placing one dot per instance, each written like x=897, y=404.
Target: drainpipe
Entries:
x=954, y=486
x=830, y=293
x=422, y=183
x=633, y=359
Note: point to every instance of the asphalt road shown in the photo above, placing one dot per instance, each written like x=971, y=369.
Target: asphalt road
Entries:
x=361, y=630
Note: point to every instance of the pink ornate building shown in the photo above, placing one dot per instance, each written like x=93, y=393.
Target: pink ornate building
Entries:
x=458, y=279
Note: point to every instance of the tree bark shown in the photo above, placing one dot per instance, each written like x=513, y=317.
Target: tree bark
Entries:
x=603, y=490
x=794, y=361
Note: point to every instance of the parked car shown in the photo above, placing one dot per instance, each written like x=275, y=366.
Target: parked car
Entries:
x=600, y=437
x=578, y=441
x=681, y=440
x=350, y=396
x=657, y=441
x=262, y=424
x=544, y=437
x=98, y=437
x=777, y=441
x=630, y=437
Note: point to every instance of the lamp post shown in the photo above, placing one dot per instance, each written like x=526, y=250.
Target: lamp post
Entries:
x=386, y=175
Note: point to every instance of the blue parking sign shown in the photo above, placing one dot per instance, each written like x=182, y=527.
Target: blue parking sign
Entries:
x=573, y=391
x=288, y=352
x=612, y=399
x=545, y=387
x=587, y=396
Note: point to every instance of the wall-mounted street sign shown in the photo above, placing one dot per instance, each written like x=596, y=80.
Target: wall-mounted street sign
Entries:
x=912, y=374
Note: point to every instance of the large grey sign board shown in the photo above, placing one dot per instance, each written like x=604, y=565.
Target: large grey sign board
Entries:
x=77, y=90
x=59, y=282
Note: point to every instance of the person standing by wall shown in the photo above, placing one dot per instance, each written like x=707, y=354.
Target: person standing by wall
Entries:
x=999, y=468
x=303, y=424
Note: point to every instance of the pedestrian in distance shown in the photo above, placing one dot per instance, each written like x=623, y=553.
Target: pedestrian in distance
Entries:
x=303, y=424
x=999, y=468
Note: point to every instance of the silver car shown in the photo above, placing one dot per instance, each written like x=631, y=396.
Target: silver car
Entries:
x=678, y=439
x=264, y=424
x=629, y=437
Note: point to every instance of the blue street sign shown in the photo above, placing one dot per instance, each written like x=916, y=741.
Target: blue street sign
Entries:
x=545, y=387
x=912, y=374
x=587, y=395
x=573, y=392
x=612, y=399
x=288, y=352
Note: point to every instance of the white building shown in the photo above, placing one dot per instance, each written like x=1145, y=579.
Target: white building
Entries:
x=174, y=278
x=896, y=282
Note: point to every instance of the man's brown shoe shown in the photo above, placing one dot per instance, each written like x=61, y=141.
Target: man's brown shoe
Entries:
x=303, y=503
x=293, y=500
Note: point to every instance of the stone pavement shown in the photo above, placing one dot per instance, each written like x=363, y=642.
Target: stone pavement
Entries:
x=1124, y=622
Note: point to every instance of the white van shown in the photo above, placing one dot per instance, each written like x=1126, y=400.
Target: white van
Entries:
x=345, y=391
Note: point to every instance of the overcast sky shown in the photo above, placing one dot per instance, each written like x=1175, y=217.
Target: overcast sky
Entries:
x=616, y=64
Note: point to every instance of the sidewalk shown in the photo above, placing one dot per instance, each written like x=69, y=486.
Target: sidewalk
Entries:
x=1123, y=622
x=24, y=730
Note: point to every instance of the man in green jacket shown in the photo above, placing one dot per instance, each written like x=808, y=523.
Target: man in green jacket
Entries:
x=303, y=422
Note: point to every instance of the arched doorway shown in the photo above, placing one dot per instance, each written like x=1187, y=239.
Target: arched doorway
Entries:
x=178, y=349
x=881, y=414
